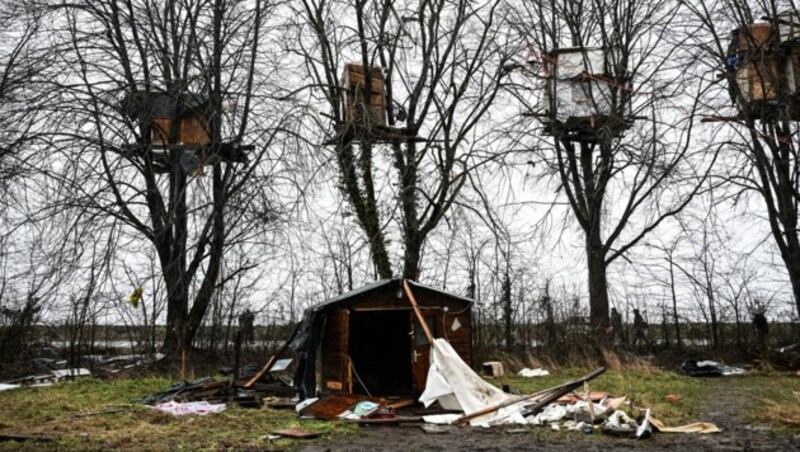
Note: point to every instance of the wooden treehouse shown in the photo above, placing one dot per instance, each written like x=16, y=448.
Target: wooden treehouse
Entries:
x=179, y=124
x=582, y=99
x=763, y=63
x=364, y=108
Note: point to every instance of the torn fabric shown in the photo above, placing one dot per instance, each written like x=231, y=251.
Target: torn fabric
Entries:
x=456, y=386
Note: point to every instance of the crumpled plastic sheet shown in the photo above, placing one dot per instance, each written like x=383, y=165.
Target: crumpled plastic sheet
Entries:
x=620, y=423
x=181, y=409
x=726, y=370
x=456, y=386
x=532, y=373
x=8, y=387
x=584, y=407
x=551, y=413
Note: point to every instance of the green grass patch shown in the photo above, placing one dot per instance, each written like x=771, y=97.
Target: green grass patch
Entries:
x=51, y=412
x=775, y=400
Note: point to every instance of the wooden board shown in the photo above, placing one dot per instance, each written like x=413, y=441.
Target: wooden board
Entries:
x=334, y=359
x=421, y=350
x=296, y=433
x=193, y=130
x=754, y=36
x=357, y=97
x=331, y=406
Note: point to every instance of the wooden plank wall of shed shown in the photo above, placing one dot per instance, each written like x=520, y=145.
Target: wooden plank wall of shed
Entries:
x=461, y=338
x=334, y=350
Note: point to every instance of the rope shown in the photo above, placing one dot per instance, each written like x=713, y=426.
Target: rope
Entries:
x=353, y=368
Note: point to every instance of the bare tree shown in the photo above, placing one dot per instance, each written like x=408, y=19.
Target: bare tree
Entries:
x=152, y=96
x=429, y=71
x=762, y=119
x=617, y=103
x=24, y=62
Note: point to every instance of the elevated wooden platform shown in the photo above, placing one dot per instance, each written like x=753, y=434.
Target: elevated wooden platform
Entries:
x=375, y=134
x=590, y=129
x=230, y=152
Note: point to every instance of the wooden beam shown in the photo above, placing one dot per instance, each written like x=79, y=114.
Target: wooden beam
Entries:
x=416, y=311
x=260, y=373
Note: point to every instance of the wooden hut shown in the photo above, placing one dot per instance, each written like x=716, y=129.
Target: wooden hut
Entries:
x=370, y=340
x=188, y=112
x=181, y=124
x=364, y=99
x=764, y=59
x=581, y=96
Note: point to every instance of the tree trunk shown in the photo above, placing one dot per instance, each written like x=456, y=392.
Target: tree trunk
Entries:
x=676, y=319
x=598, y=284
x=507, y=312
x=793, y=267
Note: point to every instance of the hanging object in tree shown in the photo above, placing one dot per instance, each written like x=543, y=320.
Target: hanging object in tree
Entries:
x=136, y=297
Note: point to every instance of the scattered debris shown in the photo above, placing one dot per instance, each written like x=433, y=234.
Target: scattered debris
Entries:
x=437, y=429
x=494, y=369
x=673, y=397
x=619, y=424
x=533, y=373
x=181, y=409
x=694, y=368
x=333, y=406
x=696, y=427
x=54, y=376
x=8, y=387
x=296, y=433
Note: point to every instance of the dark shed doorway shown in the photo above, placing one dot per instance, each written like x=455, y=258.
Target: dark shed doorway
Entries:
x=380, y=352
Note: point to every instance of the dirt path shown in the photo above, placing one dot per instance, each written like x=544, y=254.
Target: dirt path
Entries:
x=727, y=407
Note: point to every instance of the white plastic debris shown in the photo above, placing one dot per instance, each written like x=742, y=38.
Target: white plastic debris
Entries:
x=532, y=373
x=456, y=386
x=645, y=430
x=300, y=406
x=552, y=413
x=71, y=373
x=726, y=370
x=7, y=387
x=181, y=409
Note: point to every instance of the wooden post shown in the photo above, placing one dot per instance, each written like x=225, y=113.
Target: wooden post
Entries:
x=416, y=311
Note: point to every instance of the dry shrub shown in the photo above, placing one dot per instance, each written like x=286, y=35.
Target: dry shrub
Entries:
x=783, y=412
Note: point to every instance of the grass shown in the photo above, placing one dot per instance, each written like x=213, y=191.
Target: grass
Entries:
x=51, y=411
x=776, y=400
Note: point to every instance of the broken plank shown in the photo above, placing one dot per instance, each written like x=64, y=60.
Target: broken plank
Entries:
x=331, y=406
x=383, y=421
x=296, y=433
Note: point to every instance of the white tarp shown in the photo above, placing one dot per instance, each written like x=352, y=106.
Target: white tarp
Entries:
x=181, y=409
x=456, y=386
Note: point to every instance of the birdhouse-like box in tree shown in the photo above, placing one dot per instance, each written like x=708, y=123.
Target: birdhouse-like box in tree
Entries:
x=581, y=96
x=188, y=112
x=765, y=60
x=364, y=100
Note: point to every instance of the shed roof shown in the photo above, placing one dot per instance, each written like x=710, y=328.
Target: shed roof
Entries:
x=382, y=284
x=161, y=105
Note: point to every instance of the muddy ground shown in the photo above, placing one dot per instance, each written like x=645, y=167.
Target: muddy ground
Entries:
x=727, y=408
